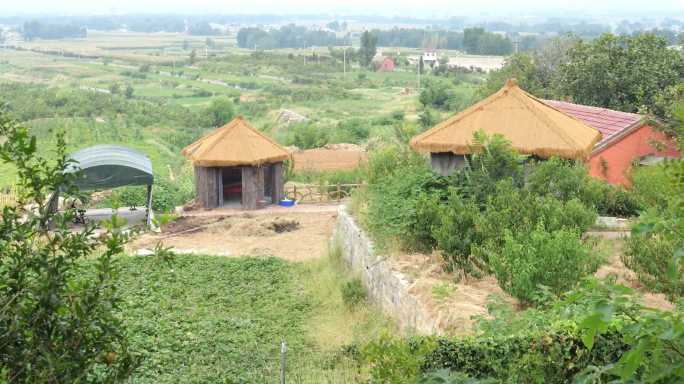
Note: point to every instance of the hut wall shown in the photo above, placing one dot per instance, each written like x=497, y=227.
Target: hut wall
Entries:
x=445, y=163
x=260, y=183
x=207, y=182
x=277, y=182
x=249, y=188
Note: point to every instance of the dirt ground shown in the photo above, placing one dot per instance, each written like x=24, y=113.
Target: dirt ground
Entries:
x=293, y=235
x=452, y=302
x=625, y=276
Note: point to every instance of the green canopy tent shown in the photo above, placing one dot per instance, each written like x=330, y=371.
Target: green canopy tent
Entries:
x=111, y=166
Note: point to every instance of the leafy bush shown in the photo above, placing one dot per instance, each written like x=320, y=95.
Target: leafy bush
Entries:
x=397, y=207
x=394, y=360
x=166, y=195
x=493, y=160
x=651, y=186
x=220, y=111
x=564, y=180
x=353, y=293
x=58, y=322
x=618, y=201
x=557, y=260
x=553, y=356
x=457, y=232
x=567, y=180
x=656, y=248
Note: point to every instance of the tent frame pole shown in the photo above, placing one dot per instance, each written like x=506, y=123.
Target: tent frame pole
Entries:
x=148, y=217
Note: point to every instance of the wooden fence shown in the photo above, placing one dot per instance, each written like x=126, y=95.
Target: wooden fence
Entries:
x=319, y=193
x=8, y=197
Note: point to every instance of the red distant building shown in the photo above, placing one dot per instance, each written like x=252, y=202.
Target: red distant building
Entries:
x=627, y=138
x=385, y=65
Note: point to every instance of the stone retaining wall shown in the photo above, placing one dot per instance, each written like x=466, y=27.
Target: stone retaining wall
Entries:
x=387, y=288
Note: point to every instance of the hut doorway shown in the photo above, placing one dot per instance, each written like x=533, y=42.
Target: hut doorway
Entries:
x=231, y=180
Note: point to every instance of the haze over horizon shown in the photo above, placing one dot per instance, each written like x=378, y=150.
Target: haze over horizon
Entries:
x=433, y=9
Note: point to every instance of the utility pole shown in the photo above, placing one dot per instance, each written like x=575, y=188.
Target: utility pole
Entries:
x=283, y=351
x=418, y=70
x=344, y=62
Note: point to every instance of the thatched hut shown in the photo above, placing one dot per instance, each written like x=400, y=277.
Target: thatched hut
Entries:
x=532, y=126
x=237, y=166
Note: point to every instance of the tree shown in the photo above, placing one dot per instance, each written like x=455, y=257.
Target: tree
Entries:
x=128, y=92
x=193, y=56
x=626, y=73
x=368, y=48
x=58, y=296
x=521, y=67
x=220, y=111
x=114, y=89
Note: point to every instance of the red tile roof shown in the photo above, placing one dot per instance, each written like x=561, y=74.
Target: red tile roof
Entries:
x=607, y=121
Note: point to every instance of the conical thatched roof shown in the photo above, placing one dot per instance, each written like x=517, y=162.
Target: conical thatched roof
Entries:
x=236, y=143
x=532, y=126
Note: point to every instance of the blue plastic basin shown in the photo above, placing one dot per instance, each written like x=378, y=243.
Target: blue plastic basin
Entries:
x=286, y=203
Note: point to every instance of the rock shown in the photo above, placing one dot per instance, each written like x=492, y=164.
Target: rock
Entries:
x=144, y=252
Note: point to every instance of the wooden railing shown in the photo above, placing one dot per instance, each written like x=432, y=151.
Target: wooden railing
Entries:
x=8, y=197
x=319, y=193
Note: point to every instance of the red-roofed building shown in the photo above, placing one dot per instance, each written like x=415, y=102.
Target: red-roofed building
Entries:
x=626, y=138
x=385, y=65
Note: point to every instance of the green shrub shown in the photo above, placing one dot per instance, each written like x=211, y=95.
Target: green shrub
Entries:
x=353, y=293
x=564, y=180
x=620, y=202
x=59, y=294
x=557, y=260
x=220, y=111
x=651, y=254
x=398, y=207
x=655, y=249
x=394, y=360
x=457, y=232
x=553, y=356
x=651, y=186
x=166, y=195
x=389, y=160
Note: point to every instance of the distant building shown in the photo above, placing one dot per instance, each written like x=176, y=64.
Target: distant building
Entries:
x=627, y=139
x=385, y=65
x=430, y=57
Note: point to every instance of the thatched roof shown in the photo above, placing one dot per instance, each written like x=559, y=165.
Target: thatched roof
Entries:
x=236, y=143
x=532, y=126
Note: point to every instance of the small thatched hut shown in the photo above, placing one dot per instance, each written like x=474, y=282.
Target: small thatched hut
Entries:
x=237, y=166
x=532, y=126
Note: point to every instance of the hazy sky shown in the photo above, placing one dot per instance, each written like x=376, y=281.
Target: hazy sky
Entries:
x=384, y=7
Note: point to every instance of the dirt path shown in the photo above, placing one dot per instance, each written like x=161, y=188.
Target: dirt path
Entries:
x=616, y=268
x=291, y=234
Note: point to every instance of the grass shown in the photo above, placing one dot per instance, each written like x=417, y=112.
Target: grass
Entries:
x=218, y=319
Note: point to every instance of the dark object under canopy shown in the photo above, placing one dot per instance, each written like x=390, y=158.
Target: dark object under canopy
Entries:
x=110, y=166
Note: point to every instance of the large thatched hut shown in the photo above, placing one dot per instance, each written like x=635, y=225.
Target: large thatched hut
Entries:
x=532, y=126
x=237, y=166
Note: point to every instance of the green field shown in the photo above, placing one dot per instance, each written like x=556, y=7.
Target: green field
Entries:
x=217, y=319
x=169, y=92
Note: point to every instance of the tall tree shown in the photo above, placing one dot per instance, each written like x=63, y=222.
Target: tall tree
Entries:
x=626, y=73
x=368, y=48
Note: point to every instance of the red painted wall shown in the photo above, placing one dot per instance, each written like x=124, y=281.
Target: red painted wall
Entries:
x=387, y=65
x=618, y=157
